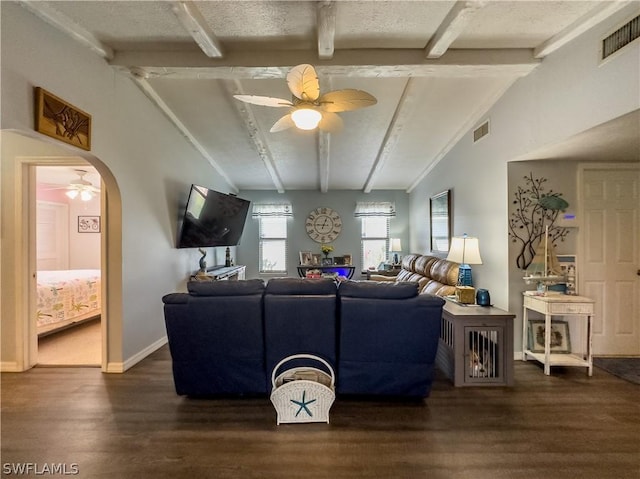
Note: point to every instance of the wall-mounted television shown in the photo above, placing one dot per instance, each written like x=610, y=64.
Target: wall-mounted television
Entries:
x=212, y=218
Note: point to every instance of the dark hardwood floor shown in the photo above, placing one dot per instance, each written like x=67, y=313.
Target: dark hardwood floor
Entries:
x=133, y=425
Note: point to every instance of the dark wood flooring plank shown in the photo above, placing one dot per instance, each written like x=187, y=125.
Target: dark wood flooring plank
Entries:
x=133, y=425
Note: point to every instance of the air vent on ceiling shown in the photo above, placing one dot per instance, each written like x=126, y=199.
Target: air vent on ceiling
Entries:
x=481, y=131
x=621, y=37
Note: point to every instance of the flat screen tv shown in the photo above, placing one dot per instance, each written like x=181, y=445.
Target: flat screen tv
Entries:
x=212, y=218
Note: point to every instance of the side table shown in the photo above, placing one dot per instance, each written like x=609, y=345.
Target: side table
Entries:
x=476, y=345
x=561, y=351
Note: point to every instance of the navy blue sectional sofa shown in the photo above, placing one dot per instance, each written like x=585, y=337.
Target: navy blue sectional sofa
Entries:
x=225, y=337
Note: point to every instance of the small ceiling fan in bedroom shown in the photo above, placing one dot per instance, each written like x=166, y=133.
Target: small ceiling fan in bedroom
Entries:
x=309, y=109
x=81, y=187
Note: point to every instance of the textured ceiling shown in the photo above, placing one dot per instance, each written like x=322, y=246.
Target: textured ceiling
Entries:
x=435, y=67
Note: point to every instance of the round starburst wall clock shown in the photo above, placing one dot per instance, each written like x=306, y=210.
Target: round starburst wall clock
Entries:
x=323, y=225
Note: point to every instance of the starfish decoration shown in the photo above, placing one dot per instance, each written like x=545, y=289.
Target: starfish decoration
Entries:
x=303, y=404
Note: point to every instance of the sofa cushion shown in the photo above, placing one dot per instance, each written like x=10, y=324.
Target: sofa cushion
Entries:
x=226, y=288
x=301, y=286
x=378, y=290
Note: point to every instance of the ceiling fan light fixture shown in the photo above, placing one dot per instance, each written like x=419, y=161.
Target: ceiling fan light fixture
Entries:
x=73, y=194
x=306, y=118
x=86, y=195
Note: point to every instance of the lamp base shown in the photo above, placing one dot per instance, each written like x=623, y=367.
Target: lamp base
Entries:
x=464, y=275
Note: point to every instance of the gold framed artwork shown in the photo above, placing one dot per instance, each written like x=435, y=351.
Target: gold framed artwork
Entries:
x=58, y=119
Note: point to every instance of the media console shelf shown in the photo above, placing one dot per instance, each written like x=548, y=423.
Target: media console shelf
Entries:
x=221, y=273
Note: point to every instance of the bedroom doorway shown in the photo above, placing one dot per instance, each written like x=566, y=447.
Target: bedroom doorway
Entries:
x=67, y=204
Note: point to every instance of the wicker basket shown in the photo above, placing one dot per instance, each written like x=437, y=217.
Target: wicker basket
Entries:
x=303, y=394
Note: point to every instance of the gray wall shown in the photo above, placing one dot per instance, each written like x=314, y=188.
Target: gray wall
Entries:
x=303, y=202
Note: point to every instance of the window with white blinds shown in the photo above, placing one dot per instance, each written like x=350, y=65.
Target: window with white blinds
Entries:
x=273, y=236
x=374, y=240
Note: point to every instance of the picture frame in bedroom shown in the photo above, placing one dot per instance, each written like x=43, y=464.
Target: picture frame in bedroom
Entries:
x=89, y=224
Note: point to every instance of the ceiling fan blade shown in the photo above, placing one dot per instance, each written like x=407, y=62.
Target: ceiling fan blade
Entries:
x=303, y=82
x=283, y=123
x=346, y=100
x=330, y=122
x=263, y=100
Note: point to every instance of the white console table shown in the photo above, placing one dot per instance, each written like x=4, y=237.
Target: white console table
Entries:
x=221, y=273
x=579, y=307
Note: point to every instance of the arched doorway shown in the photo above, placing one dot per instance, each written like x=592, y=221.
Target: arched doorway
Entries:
x=20, y=152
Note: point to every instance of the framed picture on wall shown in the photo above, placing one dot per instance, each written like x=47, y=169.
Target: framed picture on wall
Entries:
x=440, y=221
x=88, y=224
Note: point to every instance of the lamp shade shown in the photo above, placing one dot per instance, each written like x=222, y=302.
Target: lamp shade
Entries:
x=464, y=250
x=395, y=245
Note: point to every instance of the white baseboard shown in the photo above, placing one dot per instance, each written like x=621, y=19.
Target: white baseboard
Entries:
x=10, y=367
x=121, y=367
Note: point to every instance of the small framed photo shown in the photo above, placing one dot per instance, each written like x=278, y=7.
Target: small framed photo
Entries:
x=560, y=340
x=327, y=261
x=88, y=224
x=306, y=258
x=338, y=260
x=316, y=259
x=347, y=259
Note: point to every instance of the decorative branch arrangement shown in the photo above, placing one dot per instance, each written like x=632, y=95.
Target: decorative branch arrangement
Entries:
x=535, y=209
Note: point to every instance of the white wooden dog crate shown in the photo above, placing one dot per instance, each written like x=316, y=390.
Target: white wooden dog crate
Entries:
x=302, y=394
x=476, y=345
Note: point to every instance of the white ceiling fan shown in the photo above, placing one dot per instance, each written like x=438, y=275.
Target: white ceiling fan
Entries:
x=81, y=187
x=309, y=109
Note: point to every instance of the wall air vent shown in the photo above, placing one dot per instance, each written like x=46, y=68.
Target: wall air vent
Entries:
x=621, y=37
x=481, y=131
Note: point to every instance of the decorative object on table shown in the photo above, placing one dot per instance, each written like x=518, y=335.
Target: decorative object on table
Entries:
x=61, y=120
x=560, y=339
x=339, y=260
x=465, y=294
x=466, y=251
x=227, y=257
x=306, y=258
x=347, y=259
x=309, y=109
x=327, y=261
x=313, y=274
x=315, y=259
x=483, y=298
x=326, y=249
x=202, y=263
x=544, y=270
x=440, y=221
x=302, y=394
x=395, y=247
x=88, y=224
x=569, y=267
x=323, y=225
x=535, y=210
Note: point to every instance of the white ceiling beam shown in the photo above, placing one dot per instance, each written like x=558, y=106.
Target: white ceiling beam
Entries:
x=68, y=26
x=326, y=25
x=193, y=21
x=581, y=25
x=324, y=155
x=452, y=26
x=401, y=116
x=366, y=63
x=150, y=92
x=257, y=137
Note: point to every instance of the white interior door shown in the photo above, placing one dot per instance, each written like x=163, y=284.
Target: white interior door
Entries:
x=52, y=236
x=611, y=256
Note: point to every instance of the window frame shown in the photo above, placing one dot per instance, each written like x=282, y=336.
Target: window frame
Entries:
x=272, y=239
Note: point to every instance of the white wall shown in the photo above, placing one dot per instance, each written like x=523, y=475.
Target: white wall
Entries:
x=568, y=93
x=151, y=161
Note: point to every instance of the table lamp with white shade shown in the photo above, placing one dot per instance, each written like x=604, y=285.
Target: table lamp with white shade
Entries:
x=395, y=247
x=466, y=251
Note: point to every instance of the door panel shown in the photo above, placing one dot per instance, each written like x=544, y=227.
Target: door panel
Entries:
x=611, y=204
